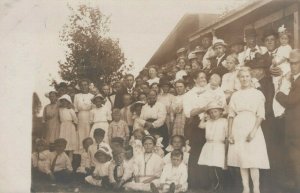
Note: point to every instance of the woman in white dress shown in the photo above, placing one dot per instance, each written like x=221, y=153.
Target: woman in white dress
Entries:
x=148, y=167
x=83, y=105
x=247, y=149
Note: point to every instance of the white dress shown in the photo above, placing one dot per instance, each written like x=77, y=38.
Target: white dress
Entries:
x=245, y=107
x=213, y=151
x=230, y=82
x=166, y=99
x=99, y=117
x=67, y=128
x=83, y=105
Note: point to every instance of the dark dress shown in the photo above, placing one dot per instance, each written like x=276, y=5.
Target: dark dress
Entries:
x=197, y=175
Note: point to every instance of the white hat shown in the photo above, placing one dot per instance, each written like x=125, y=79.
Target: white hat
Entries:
x=215, y=105
x=192, y=55
x=66, y=97
x=180, y=50
x=219, y=42
x=105, y=150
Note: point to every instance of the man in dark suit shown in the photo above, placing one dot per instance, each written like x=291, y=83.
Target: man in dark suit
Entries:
x=291, y=102
x=127, y=89
x=217, y=67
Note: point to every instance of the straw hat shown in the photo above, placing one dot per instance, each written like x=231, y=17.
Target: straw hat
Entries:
x=97, y=96
x=199, y=49
x=215, y=105
x=66, y=97
x=218, y=42
x=180, y=50
x=192, y=55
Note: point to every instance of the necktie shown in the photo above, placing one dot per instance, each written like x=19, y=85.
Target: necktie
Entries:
x=117, y=174
x=98, y=146
x=53, y=163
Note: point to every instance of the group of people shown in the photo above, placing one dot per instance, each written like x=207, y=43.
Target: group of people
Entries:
x=224, y=114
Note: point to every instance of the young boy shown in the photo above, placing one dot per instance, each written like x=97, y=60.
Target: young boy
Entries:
x=116, y=169
x=40, y=159
x=118, y=127
x=60, y=164
x=85, y=165
x=174, y=175
x=98, y=138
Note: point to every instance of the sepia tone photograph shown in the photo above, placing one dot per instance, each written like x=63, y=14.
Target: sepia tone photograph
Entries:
x=199, y=96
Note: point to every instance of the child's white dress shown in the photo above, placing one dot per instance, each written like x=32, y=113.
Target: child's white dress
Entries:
x=230, y=82
x=213, y=151
x=99, y=117
x=137, y=147
x=67, y=128
x=177, y=175
x=282, y=81
x=41, y=161
x=102, y=170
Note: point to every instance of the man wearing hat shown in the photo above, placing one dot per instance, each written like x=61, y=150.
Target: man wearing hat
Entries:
x=252, y=49
x=291, y=102
x=237, y=45
x=181, y=52
x=217, y=67
x=199, y=52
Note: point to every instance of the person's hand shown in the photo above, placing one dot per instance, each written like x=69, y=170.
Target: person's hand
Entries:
x=275, y=71
x=250, y=136
x=231, y=139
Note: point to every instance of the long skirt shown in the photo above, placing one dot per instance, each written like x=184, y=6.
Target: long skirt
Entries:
x=162, y=131
x=83, y=126
x=53, y=129
x=69, y=133
x=197, y=174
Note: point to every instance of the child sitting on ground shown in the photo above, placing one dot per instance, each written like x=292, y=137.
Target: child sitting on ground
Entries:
x=118, y=127
x=41, y=158
x=174, y=175
x=98, y=138
x=60, y=164
x=85, y=165
x=116, y=169
x=100, y=174
x=177, y=143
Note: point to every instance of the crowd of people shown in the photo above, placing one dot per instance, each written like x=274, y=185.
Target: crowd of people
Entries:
x=225, y=115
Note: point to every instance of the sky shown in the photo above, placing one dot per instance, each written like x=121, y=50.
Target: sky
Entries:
x=32, y=27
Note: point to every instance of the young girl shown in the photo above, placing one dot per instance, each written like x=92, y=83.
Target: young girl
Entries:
x=41, y=157
x=136, y=142
x=100, y=116
x=68, y=129
x=281, y=61
x=85, y=164
x=51, y=118
x=230, y=81
x=136, y=109
x=213, y=152
x=100, y=174
x=177, y=142
x=118, y=127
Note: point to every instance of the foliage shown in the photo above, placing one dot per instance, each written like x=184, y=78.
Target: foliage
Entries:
x=91, y=53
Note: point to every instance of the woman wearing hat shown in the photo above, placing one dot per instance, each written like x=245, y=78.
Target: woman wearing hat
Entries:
x=247, y=149
x=51, y=118
x=166, y=98
x=148, y=167
x=83, y=105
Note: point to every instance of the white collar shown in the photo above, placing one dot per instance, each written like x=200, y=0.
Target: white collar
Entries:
x=220, y=56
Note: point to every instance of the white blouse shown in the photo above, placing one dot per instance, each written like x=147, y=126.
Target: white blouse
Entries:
x=157, y=111
x=82, y=102
x=102, y=114
x=148, y=165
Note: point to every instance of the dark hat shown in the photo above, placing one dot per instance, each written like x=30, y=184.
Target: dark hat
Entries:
x=60, y=141
x=269, y=32
x=237, y=41
x=251, y=32
x=164, y=81
x=260, y=61
x=99, y=132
